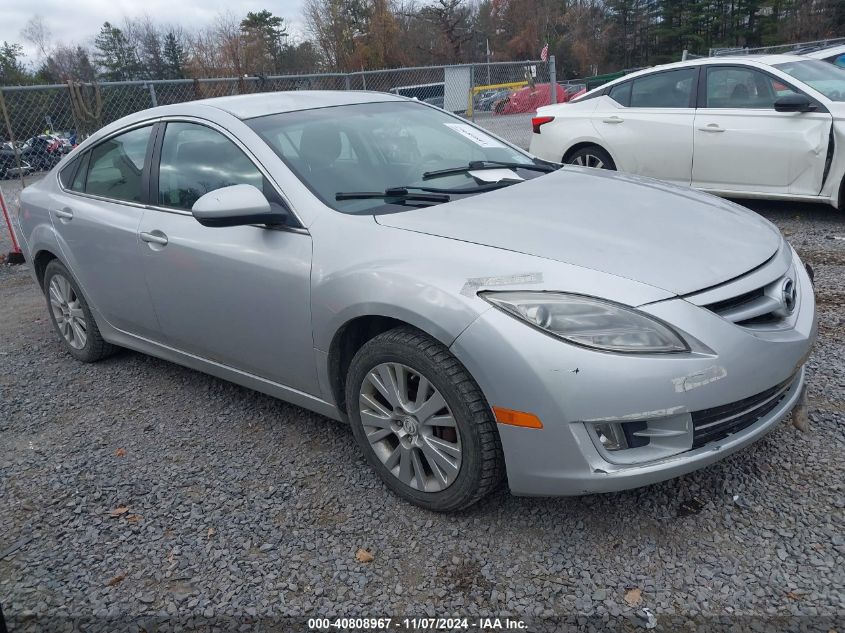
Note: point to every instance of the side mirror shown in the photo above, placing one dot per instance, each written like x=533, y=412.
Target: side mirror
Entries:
x=794, y=103
x=237, y=205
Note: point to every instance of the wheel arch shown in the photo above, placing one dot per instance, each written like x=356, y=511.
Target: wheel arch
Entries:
x=584, y=144
x=39, y=264
x=353, y=335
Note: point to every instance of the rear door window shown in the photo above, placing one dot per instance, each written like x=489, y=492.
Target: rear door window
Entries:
x=116, y=166
x=669, y=89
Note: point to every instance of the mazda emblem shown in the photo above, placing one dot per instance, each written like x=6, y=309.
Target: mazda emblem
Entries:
x=788, y=295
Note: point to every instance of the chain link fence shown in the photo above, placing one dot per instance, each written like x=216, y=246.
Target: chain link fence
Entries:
x=798, y=47
x=39, y=124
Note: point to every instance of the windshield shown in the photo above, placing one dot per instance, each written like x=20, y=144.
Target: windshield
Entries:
x=374, y=147
x=826, y=78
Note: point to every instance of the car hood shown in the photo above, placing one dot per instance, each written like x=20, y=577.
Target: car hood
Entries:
x=670, y=237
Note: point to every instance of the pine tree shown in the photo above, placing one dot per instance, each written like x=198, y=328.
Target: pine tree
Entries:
x=12, y=71
x=266, y=34
x=174, y=57
x=152, y=55
x=114, y=54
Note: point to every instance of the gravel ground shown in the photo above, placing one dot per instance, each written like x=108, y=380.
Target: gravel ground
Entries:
x=135, y=488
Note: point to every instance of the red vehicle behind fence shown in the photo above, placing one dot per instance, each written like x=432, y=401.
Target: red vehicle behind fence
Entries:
x=528, y=99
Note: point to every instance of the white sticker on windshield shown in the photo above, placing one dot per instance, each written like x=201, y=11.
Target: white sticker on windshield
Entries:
x=476, y=136
x=495, y=175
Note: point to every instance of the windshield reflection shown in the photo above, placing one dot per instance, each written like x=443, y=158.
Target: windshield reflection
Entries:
x=380, y=146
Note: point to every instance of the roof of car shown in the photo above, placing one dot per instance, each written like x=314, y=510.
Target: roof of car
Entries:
x=262, y=104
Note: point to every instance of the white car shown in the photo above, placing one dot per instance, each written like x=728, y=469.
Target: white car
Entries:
x=746, y=127
x=832, y=54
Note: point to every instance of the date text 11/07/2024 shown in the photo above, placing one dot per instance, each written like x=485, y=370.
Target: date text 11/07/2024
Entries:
x=416, y=624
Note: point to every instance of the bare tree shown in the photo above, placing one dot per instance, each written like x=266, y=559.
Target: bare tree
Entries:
x=37, y=33
x=588, y=33
x=453, y=20
x=230, y=42
x=204, y=57
x=68, y=63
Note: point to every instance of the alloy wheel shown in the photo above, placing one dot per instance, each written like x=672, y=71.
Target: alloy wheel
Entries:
x=410, y=427
x=67, y=312
x=588, y=160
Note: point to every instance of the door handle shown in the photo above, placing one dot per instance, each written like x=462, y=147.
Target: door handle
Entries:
x=156, y=237
x=712, y=127
x=613, y=119
x=63, y=214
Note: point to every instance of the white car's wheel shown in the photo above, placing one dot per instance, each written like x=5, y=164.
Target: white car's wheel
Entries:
x=593, y=156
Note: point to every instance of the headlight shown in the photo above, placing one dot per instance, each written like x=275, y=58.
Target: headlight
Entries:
x=589, y=322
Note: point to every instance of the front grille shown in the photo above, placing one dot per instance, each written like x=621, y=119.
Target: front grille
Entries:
x=718, y=423
x=769, y=318
x=720, y=307
x=749, y=309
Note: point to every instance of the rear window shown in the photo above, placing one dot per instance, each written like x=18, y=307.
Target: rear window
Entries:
x=837, y=60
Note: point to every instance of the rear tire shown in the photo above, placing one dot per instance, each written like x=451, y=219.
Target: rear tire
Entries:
x=71, y=317
x=592, y=156
x=440, y=454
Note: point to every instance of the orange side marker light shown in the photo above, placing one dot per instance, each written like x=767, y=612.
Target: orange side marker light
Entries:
x=517, y=418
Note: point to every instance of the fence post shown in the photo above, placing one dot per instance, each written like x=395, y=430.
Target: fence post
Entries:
x=684, y=55
x=346, y=81
x=15, y=149
x=153, y=98
x=471, y=103
x=552, y=80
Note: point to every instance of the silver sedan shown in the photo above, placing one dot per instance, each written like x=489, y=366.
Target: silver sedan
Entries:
x=474, y=313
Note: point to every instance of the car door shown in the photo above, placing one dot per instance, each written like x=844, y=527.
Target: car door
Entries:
x=743, y=144
x=647, y=124
x=97, y=216
x=239, y=296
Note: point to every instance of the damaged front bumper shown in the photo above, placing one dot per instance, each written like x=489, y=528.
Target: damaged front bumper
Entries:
x=693, y=408
x=602, y=475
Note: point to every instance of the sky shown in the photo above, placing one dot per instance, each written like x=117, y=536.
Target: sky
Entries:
x=80, y=20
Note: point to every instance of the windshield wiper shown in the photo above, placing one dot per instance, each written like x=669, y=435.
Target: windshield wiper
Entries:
x=487, y=164
x=428, y=194
x=399, y=194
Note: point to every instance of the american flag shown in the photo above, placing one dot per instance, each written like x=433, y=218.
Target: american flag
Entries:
x=544, y=54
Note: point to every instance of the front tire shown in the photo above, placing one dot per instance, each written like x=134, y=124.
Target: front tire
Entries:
x=71, y=317
x=593, y=156
x=422, y=422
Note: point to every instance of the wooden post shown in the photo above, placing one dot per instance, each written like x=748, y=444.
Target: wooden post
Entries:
x=11, y=137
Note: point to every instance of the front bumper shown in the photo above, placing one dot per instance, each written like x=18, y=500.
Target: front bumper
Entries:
x=566, y=386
